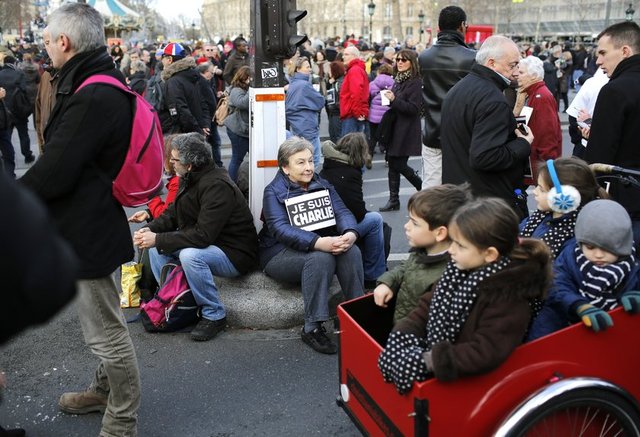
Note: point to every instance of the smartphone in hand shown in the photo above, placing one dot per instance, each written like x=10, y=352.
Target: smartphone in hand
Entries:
x=523, y=129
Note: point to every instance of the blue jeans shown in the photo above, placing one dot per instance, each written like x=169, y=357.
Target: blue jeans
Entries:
x=215, y=142
x=117, y=376
x=199, y=265
x=239, y=148
x=314, y=271
x=317, y=153
x=351, y=124
x=372, y=238
x=8, y=154
x=335, y=127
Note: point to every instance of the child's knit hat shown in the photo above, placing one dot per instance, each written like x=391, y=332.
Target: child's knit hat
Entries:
x=605, y=224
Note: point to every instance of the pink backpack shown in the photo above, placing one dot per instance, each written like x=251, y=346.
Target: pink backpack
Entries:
x=141, y=174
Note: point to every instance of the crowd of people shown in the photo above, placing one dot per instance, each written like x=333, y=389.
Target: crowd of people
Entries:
x=478, y=279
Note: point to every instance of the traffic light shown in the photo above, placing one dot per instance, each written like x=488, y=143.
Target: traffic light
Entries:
x=279, y=38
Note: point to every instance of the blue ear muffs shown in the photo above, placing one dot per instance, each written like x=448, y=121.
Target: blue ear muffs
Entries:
x=561, y=198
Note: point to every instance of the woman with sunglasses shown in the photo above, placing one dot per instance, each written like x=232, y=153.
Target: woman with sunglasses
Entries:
x=405, y=103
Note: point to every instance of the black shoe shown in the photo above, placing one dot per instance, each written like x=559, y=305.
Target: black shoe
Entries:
x=319, y=341
x=29, y=159
x=390, y=206
x=17, y=432
x=207, y=329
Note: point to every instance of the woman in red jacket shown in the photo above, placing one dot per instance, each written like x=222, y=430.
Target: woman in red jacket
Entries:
x=544, y=121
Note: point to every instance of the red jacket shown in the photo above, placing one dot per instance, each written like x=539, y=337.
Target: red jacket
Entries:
x=354, y=94
x=545, y=125
x=157, y=205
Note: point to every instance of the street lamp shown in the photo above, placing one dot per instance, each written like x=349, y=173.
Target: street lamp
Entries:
x=629, y=12
x=193, y=31
x=421, y=21
x=372, y=8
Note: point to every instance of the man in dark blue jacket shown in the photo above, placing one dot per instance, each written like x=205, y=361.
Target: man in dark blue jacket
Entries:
x=442, y=66
x=86, y=141
x=182, y=110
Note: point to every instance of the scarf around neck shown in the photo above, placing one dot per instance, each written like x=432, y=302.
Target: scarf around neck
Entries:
x=402, y=77
x=560, y=229
x=454, y=297
x=600, y=284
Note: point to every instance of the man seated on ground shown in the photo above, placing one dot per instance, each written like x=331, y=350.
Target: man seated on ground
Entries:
x=208, y=229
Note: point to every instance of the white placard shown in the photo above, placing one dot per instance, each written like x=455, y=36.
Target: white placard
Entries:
x=311, y=211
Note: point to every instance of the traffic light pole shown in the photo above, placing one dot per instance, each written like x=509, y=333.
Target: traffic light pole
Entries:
x=271, y=40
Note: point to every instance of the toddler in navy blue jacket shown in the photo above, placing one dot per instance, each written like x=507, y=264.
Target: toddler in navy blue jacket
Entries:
x=593, y=275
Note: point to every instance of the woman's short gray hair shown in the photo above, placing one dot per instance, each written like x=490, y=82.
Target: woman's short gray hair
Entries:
x=290, y=147
x=193, y=149
x=533, y=65
x=492, y=48
x=81, y=23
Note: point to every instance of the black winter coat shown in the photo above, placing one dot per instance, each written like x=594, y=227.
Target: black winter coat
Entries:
x=479, y=145
x=86, y=140
x=442, y=66
x=39, y=269
x=209, y=210
x=616, y=129
x=347, y=180
x=183, y=107
x=12, y=80
x=407, y=134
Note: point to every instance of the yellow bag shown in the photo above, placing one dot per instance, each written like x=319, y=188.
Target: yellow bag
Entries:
x=130, y=295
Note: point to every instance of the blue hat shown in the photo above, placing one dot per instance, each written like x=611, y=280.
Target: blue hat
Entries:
x=174, y=49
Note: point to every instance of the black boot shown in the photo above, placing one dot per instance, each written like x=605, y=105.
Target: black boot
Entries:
x=394, y=189
x=414, y=179
x=17, y=432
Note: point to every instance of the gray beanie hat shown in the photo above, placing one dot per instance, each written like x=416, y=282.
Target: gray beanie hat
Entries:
x=605, y=224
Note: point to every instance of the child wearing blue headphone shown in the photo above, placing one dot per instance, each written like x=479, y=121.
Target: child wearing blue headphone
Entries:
x=564, y=185
x=595, y=273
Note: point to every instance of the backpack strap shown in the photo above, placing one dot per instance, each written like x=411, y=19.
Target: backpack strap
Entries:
x=104, y=79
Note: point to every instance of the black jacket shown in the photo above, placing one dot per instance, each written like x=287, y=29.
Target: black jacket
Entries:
x=406, y=139
x=479, y=145
x=616, y=129
x=38, y=267
x=347, y=180
x=183, y=107
x=209, y=210
x=13, y=81
x=442, y=66
x=86, y=140
x=208, y=100
x=138, y=82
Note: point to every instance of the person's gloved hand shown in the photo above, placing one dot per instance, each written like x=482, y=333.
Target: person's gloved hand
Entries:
x=630, y=301
x=594, y=318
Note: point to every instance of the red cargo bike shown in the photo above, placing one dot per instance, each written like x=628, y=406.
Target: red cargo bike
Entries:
x=574, y=382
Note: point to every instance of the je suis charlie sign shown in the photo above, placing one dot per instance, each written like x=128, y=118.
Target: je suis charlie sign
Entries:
x=311, y=211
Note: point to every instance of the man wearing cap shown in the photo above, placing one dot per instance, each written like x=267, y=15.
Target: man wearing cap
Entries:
x=238, y=58
x=442, y=66
x=596, y=273
x=86, y=141
x=182, y=108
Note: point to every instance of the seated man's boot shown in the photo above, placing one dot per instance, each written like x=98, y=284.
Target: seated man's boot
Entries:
x=83, y=402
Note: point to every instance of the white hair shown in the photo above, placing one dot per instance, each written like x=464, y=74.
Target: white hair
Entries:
x=352, y=50
x=533, y=65
x=79, y=22
x=493, y=48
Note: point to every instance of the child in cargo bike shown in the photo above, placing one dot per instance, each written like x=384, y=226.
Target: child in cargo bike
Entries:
x=481, y=307
x=596, y=272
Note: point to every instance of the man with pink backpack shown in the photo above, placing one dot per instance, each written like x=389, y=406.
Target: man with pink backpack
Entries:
x=86, y=140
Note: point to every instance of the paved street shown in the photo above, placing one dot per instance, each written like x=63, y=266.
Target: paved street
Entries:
x=243, y=383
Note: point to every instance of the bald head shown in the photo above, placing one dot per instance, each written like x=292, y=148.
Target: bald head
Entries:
x=500, y=54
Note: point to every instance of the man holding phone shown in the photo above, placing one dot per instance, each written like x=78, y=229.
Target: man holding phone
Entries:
x=615, y=131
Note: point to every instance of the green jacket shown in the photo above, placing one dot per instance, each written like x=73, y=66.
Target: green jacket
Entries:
x=412, y=279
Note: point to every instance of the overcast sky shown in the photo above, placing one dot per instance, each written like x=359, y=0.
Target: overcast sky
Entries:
x=174, y=8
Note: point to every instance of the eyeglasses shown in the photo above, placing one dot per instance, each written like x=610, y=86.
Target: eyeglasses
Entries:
x=402, y=60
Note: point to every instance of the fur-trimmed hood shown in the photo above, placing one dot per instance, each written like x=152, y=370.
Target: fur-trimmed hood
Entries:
x=178, y=66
